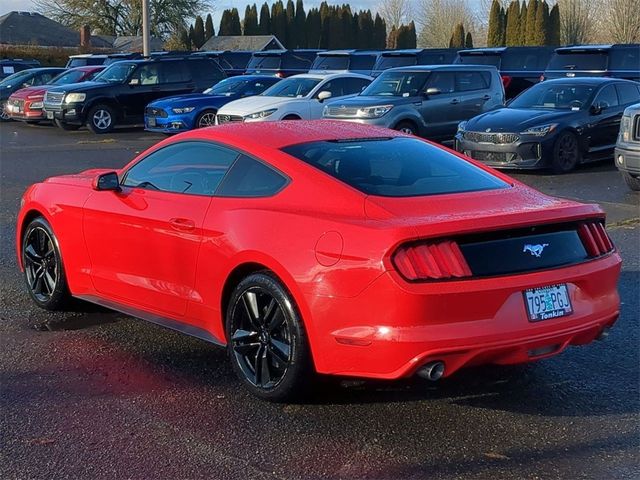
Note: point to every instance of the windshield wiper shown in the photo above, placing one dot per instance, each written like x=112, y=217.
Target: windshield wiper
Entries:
x=570, y=67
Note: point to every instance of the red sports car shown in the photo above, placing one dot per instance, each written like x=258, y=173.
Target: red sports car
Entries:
x=327, y=247
x=27, y=103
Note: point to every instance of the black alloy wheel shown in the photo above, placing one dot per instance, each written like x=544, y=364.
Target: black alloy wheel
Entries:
x=43, y=269
x=566, y=153
x=267, y=342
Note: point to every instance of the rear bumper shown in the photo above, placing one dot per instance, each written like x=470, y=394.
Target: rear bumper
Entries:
x=393, y=328
x=628, y=160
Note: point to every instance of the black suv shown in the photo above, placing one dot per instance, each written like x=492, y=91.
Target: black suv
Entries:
x=119, y=94
x=281, y=63
x=520, y=67
x=617, y=61
x=10, y=66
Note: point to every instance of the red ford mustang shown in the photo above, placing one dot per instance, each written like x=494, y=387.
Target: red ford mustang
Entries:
x=327, y=247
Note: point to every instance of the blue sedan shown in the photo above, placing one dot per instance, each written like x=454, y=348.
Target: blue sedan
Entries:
x=197, y=110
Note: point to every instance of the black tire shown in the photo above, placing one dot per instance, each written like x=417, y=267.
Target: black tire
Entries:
x=65, y=126
x=101, y=119
x=566, y=153
x=206, y=119
x=43, y=268
x=632, y=182
x=292, y=117
x=406, y=127
x=267, y=343
x=4, y=116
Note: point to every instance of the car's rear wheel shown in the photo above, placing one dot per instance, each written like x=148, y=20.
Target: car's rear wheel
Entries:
x=632, y=182
x=101, y=119
x=43, y=268
x=292, y=117
x=65, y=125
x=566, y=153
x=267, y=341
x=406, y=127
x=206, y=119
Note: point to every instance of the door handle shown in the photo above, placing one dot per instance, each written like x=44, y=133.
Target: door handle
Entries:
x=455, y=101
x=487, y=97
x=182, y=224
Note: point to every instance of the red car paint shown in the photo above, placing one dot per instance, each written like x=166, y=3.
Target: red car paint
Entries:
x=333, y=247
x=25, y=98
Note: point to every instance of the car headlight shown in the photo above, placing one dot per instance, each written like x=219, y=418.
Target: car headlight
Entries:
x=541, y=130
x=75, y=97
x=625, y=128
x=183, y=109
x=373, y=112
x=461, y=126
x=36, y=105
x=262, y=114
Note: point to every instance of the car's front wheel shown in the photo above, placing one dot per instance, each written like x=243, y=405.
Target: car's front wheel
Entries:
x=406, y=127
x=65, y=125
x=206, y=119
x=43, y=268
x=4, y=116
x=101, y=119
x=266, y=339
x=566, y=153
x=632, y=182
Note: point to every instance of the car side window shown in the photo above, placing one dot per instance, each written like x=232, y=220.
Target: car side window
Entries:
x=251, y=178
x=195, y=168
x=628, y=93
x=469, y=81
x=443, y=81
x=356, y=85
x=336, y=87
x=607, y=97
x=43, y=79
x=146, y=75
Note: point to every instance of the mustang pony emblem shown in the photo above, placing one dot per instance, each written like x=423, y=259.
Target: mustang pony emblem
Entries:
x=535, y=250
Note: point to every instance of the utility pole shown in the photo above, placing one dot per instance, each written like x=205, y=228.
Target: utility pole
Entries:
x=145, y=28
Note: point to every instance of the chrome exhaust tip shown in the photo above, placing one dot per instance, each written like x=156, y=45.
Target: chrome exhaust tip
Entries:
x=603, y=334
x=432, y=371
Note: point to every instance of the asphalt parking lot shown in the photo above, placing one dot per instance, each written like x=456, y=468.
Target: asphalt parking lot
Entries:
x=93, y=394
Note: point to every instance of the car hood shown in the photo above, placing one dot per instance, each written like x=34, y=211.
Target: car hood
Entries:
x=192, y=99
x=516, y=119
x=368, y=101
x=248, y=105
x=30, y=91
x=81, y=86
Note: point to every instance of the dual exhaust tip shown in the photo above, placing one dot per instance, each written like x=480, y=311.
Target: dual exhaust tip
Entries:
x=432, y=371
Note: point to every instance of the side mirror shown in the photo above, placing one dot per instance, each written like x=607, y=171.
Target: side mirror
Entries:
x=432, y=91
x=107, y=181
x=597, y=108
x=322, y=96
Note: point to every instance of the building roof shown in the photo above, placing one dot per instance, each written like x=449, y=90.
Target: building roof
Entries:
x=254, y=43
x=24, y=28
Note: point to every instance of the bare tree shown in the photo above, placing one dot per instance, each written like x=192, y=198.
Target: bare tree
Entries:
x=577, y=21
x=621, y=19
x=437, y=19
x=395, y=12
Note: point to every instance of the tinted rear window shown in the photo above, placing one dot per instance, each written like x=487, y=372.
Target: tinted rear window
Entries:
x=301, y=61
x=492, y=59
x=395, y=167
x=434, y=58
x=331, y=62
x=268, y=62
x=578, y=61
x=362, y=62
x=390, y=61
x=625, y=58
x=237, y=59
x=205, y=69
x=525, y=60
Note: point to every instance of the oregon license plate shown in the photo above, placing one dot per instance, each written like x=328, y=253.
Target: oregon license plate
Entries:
x=549, y=302
x=151, y=121
x=49, y=115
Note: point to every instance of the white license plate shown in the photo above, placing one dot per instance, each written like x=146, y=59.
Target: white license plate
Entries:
x=50, y=115
x=151, y=121
x=545, y=303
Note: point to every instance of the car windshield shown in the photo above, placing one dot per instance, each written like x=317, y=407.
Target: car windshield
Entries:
x=65, y=78
x=397, y=84
x=116, y=73
x=228, y=86
x=14, y=79
x=331, y=62
x=395, y=167
x=578, y=61
x=563, y=96
x=292, y=88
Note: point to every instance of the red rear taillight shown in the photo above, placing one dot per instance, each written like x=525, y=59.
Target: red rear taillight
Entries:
x=279, y=74
x=506, y=81
x=595, y=239
x=431, y=261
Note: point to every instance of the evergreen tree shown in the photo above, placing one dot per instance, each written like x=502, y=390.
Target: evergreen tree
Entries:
x=457, y=37
x=522, y=25
x=554, y=26
x=291, y=35
x=235, y=26
x=265, y=20
x=531, y=33
x=512, y=22
x=366, y=31
x=191, y=35
x=468, y=41
x=279, y=21
x=496, y=31
x=541, y=33
x=325, y=25
x=183, y=36
x=312, y=28
x=198, y=32
x=299, y=22
x=379, y=33
x=224, y=23
x=392, y=39
x=208, y=28
x=346, y=26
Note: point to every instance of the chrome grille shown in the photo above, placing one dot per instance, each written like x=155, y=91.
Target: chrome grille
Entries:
x=636, y=127
x=495, y=138
x=54, y=98
x=155, y=112
x=229, y=118
x=342, y=111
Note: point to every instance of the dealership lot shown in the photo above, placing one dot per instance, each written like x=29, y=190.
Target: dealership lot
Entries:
x=95, y=394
